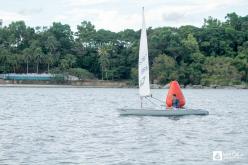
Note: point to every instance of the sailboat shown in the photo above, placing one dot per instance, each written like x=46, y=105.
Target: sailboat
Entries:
x=144, y=86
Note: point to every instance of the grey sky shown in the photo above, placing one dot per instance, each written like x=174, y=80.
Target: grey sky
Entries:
x=117, y=15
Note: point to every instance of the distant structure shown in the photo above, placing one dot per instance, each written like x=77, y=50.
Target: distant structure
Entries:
x=1, y=23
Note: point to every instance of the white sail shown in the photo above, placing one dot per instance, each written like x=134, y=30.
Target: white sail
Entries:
x=144, y=81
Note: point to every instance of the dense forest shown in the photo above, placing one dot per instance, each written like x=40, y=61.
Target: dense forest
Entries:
x=216, y=53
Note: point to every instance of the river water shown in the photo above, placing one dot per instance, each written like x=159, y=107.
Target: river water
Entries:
x=58, y=126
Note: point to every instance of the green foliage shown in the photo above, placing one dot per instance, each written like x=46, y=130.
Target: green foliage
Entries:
x=64, y=65
x=82, y=74
x=190, y=44
x=216, y=53
x=134, y=76
x=86, y=32
x=220, y=71
x=104, y=60
x=164, y=69
x=241, y=61
x=4, y=60
x=212, y=23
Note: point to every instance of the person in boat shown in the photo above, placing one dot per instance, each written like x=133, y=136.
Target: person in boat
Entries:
x=175, y=101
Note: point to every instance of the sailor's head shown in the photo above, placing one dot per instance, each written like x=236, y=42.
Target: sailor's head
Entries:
x=174, y=95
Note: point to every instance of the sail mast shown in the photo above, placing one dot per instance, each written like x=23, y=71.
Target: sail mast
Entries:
x=144, y=80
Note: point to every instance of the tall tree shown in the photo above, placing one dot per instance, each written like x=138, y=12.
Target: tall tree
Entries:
x=13, y=62
x=4, y=57
x=27, y=56
x=64, y=37
x=48, y=59
x=38, y=57
x=86, y=33
x=103, y=53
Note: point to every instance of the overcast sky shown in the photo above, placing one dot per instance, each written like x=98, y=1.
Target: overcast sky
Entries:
x=117, y=15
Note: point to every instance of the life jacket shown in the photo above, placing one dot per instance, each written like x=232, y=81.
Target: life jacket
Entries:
x=175, y=89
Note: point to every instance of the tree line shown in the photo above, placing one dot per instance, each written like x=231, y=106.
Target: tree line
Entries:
x=216, y=53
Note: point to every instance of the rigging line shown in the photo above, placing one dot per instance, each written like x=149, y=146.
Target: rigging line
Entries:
x=152, y=102
x=157, y=99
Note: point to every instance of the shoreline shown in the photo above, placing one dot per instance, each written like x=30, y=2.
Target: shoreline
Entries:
x=101, y=84
x=104, y=86
x=47, y=86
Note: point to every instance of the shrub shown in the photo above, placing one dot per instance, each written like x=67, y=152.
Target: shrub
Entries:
x=82, y=74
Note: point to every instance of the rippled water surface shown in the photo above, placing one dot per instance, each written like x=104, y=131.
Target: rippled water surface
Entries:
x=58, y=126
